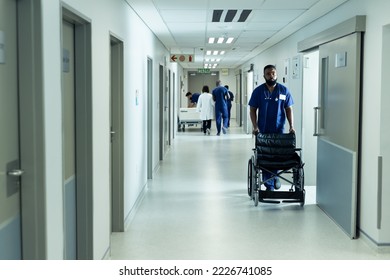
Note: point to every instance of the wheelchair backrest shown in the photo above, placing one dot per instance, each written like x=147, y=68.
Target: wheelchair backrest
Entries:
x=275, y=144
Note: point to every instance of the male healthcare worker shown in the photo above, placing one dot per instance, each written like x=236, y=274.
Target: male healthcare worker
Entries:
x=220, y=96
x=270, y=105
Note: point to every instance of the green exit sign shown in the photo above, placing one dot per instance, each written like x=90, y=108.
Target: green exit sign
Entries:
x=204, y=70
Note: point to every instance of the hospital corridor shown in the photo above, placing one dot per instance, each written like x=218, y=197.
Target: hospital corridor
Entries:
x=103, y=157
x=197, y=208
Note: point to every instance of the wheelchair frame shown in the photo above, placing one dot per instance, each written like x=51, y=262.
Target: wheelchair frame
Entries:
x=256, y=191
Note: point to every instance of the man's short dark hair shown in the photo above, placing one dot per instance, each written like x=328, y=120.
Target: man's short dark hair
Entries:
x=269, y=66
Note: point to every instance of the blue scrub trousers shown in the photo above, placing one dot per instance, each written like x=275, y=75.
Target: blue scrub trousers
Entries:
x=221, y=115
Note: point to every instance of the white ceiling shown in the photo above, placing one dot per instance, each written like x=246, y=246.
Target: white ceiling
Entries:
x=184, y=26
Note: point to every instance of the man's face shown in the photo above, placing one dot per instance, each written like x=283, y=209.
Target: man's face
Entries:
x=270, y=76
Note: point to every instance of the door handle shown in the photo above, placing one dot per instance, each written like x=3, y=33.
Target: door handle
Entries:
x=15, y=172
x=112, y=135
x=316, y=130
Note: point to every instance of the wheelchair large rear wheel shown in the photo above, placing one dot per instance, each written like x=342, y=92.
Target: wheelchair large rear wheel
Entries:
x=299, y=179
x=250, y=177
x=256, y=197
x=303, y=198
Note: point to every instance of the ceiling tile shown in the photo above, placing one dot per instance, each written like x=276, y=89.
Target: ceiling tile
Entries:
x=184, y=15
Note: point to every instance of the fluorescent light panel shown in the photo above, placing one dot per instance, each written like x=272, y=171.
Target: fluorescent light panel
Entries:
x=214, y=53
x=220, y=40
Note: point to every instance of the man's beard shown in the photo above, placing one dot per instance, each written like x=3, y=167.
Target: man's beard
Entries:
x=271, y=82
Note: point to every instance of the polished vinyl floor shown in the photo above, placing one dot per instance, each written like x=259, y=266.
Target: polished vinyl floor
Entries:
x=197, y=208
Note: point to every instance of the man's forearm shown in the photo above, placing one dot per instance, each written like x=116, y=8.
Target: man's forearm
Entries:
x=253, y=116
x=290, y=118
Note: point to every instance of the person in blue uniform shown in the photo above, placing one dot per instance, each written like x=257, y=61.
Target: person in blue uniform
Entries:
x=270, y=106
x=220, y=96
x=229, y=103
x=192, y=99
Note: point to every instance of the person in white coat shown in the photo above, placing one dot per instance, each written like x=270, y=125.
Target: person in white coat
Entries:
x=205, y=106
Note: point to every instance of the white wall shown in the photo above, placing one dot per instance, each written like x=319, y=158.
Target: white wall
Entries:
x=51, y=25
x=106, y=17
x=377, y=17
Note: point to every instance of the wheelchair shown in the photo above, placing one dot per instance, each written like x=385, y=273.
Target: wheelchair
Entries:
x=276, y=154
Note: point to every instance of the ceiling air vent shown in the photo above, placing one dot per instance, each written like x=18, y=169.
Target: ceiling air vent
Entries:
x=217, y=15
x=229, y=15
x=244, y=15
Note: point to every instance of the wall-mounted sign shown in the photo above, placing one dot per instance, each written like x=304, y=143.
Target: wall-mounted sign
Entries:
x=341, y=59
x=225, y=72
x=204, y=70
x=296, y=67
x=187, y=58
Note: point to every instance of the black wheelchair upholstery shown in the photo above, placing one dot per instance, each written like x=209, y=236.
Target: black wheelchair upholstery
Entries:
x=277, y=151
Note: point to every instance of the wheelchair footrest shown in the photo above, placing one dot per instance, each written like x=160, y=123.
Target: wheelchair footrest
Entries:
x=295, y=196
x=269, y=201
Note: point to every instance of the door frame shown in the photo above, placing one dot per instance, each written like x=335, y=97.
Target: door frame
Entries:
x=150, y=117
x=161, y=88
x=84, y=133
x=309, y=102
x=117, y=137
x=32, y=142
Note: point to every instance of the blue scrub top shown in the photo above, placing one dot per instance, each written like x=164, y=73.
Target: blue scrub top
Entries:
x=220, y=95
x=195, y=97
x=271, y=107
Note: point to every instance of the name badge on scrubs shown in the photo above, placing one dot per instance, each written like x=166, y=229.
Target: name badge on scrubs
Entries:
x=282, y=97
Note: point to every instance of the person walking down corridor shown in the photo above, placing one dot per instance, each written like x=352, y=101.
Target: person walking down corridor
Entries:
x=205, y=106
x=220, y=96
x=229, y=103
x=270, y=104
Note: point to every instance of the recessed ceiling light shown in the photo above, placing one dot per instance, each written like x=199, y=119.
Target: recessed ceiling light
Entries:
x=211, y=40
x=229, y=40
